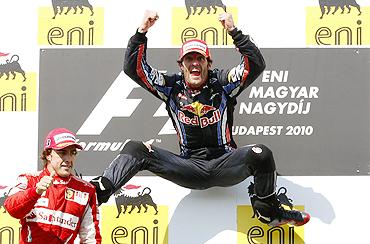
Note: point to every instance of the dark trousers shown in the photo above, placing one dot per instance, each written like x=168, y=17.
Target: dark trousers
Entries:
x=196, y=173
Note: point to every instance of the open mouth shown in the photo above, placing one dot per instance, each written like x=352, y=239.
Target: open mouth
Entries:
x=195, y=72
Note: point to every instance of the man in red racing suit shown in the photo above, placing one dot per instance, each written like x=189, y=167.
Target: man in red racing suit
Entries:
x=53, y=205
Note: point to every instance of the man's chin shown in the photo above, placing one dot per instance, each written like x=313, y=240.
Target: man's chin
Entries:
x=195, y=83
x=195, y=78
x=65, y=173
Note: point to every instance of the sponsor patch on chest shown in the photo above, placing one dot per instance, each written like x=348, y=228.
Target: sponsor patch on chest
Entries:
x=79, y=197
x=200, y=121
x=53, y=217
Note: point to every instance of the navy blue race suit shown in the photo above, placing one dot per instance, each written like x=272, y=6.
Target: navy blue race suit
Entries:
x=203, y=121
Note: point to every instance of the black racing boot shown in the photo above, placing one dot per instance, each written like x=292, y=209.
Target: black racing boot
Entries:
x=270, y=211
x=104, y=188
x=292, y=217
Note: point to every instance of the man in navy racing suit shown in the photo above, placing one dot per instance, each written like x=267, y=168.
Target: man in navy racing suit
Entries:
x=200, y=102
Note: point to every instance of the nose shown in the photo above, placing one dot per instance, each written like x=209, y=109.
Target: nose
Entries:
x=68, y=157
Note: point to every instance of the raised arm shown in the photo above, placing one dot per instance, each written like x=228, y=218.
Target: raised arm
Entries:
x=252, y=63
x=22, y=198
x=135, y=63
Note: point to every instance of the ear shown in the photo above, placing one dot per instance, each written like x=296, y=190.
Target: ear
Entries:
x=48, y=157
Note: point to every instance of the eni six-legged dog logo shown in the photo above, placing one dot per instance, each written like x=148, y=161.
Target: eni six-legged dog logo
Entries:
x=11, y=66
x=124, y=199
x=192, y=6
x=60, y=5
x=327, y=5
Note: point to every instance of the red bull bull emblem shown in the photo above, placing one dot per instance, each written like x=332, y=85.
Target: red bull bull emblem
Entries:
x=199, y=110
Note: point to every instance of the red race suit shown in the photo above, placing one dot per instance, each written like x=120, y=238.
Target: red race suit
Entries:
x=66, y=209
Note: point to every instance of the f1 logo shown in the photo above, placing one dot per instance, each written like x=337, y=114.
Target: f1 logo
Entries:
x=115, y=103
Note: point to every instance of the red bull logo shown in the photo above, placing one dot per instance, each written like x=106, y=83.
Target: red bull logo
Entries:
x=198, y=108
x=202, y=122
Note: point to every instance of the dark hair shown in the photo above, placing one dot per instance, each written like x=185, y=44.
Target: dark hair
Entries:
x=44, y=154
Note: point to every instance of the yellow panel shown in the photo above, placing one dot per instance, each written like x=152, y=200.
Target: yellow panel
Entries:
x=337, y=29
x=71, y=29
x=251, y=230
x=18, y=95
x=134, y=227
x=204, y=26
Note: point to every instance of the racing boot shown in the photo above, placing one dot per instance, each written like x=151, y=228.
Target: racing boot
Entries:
x=104, y=188
x=271, y=212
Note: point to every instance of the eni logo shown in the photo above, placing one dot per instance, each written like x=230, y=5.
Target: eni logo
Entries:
x=338, y=22
x=12, y=67
x=71, y=22
x=327, y=5
x=60, y=5
x=199, y=19
x=144, y=222
x=17, y=88
x=142, y=199
x=251, y=230
x=192, y=6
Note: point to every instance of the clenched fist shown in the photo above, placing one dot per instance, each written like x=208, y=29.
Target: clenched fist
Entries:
x=227, y=21
x=45, y=183
x=150, y=17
